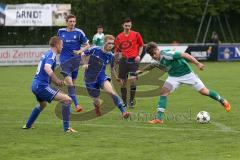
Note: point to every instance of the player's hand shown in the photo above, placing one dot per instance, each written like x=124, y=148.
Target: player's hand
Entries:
x=117, y=61
x=78, y=51
x=137, y=59
x=139, y=72
x=59, y=83
x=118, y=79
x=121, y=81
x=85, y=66
x=201, y=66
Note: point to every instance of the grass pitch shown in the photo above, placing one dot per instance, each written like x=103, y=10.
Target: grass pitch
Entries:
x=110, y=137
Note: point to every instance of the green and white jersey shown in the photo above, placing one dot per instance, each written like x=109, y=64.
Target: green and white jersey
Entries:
x=175, y=65
x=98, y=39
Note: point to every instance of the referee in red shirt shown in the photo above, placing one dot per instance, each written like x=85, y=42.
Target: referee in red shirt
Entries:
x=128, y=49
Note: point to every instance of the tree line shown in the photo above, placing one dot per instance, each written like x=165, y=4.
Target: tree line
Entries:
x=163, y=21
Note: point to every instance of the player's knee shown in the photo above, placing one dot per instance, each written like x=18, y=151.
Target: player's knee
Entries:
x=111, y=93
x=204, y=92
x=123, y=83
x=67, y=100
x=133, y=80
x=166, y=89
x=164, y=92
x=68, y=80
x=97, y=102
x=43, y=105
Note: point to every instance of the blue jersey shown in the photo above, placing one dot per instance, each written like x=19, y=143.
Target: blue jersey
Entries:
x=97, y=63
x=71, y=41
x=41, y=76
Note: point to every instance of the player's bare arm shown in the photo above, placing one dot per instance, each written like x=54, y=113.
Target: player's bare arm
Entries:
x=146, y=68
x=84, y=48
x=193, y=60
x=84, y=61
x=51, y=74
x=114, y=72
x=137, y=59
x=140, y=50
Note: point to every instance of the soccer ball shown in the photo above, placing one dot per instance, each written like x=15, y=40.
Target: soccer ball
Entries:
x=203, y=117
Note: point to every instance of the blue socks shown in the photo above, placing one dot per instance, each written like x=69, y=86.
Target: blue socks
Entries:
x=66, y=116
x=72, y=94
x=35, y=112
x=117, y=101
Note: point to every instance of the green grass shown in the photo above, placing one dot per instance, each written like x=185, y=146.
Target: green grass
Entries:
x=109, y=137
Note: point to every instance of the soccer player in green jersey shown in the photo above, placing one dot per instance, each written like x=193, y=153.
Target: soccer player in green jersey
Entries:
x=179, y=72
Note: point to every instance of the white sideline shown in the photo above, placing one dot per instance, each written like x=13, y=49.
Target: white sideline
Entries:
x=161, y=128
x=222, y=127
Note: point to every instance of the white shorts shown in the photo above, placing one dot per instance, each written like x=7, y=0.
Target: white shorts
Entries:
x=190, y=79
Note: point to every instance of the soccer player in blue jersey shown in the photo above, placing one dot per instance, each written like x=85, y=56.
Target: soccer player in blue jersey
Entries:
x=95, y=76
x=43, y=91
x=73, y=38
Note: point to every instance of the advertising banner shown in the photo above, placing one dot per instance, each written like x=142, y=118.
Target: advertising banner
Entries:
x=30, y=14
x=203, y=52
x=229, y=53
x=21, y=55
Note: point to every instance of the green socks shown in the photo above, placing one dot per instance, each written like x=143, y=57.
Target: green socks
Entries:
x=162, y=103
x=214, y=95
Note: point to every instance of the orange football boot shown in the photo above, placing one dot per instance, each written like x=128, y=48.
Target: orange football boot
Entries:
x=156, y=121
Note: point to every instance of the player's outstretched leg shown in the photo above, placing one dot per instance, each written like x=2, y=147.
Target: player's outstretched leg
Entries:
x=66, y=101
x=72, y=92
x=117, y=101
x=34, y=115
x=214, y=95
x=162, y=103
x=97, y=104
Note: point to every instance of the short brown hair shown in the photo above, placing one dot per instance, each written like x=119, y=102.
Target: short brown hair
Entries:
x=70, y=16
x=151, y=46
x=108, y=36
x=126, y=20
x=54, y=41
x=99, y=26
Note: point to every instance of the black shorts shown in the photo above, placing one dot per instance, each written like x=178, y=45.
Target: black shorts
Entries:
x=127, y=66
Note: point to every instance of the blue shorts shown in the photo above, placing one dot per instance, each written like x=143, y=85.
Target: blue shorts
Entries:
x=70, y=67
x=43, y=92
x=94, y=88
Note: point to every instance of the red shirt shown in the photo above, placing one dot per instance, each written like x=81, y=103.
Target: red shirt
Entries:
x=128, y=45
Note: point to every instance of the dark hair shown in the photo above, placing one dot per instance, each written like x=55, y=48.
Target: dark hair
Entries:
x=70, y=16
x=126, y=20
x=99, y=26
x=151, y=46
x=54, y=40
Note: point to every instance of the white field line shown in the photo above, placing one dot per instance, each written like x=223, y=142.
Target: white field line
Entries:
x=159, y=128
x=222, y=127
